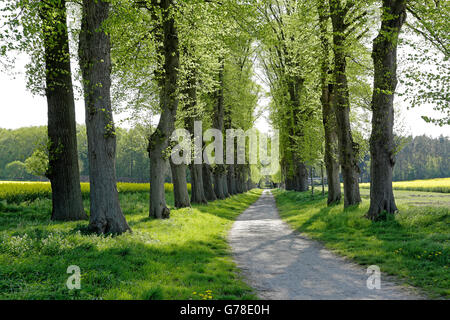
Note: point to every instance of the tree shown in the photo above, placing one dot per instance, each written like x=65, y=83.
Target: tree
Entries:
x=328, y=113
x=425, y=76
x=286, y=61
x=37, y=163
x=179, y=181
x=95, y=62
x=16, y=170
x=382, y=147
x=167, y=48
x=39, y=28
x=342, y=21
x=219, y=169
x=197, y=187
x=63, y=169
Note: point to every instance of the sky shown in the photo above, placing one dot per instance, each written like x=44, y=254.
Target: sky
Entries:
x=19, y=108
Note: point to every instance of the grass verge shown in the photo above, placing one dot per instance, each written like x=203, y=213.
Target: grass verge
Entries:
x=184, y=257
x=413, y=245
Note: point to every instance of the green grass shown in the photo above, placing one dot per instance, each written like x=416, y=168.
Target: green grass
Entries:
x=431, y=185
x=413, y=245
x=161, y=259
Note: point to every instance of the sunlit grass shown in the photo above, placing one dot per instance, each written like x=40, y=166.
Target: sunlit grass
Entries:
x=161, y=259
x=413, y=245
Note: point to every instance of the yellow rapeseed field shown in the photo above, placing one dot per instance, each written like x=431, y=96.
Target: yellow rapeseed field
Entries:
x=13, y=191
x=431, y=185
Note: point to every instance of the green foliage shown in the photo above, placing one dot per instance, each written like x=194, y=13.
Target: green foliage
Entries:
x=412, y=245
x=29, y=145
x=37, y=164
x=423, y=158
x=15, y=169
x=426, y=76
x=19, y=144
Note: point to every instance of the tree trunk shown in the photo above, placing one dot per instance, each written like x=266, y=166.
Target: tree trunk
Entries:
x=331, y=155
x=197, y=188
x=245, y=176
x=225, y=184
x=218, y=182
x=312, y=181
x=63, y=172
x=331, y=147
x=207, y=183
x=249, y=178
x=328, y=114
x=249, y=184
x=158, y=144
x=230, y=176
x=382, y=148
x=179, y=181
x=95, y=62
x=290, y=183
x=159, y=141
x=218, y=119
x=301, y=178
x=239, y=179
x=348, y=149
x=323, y=179
x=231, y=179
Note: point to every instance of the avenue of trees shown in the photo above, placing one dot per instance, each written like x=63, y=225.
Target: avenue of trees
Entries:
x=194, y=61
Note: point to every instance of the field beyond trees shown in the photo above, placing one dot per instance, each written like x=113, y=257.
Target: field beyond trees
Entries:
x=430, y=185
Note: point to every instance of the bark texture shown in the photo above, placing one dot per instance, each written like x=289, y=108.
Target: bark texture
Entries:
x=239, y=178
x=207, y=183
x=328, y=114
x=297, y=173
x=301, y=178
x=231, y=179
x=159, y=141
x=219, y=182
x=382, y=148
x=197, y=188
x=230, y=176
x=348, y=149
x=296, y=178
x=95, y=61
x=181, y=195
x=218, y=123
x=331, y=151
x=225, y=183
x=63, y=171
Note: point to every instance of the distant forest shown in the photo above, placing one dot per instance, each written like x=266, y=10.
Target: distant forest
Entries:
x=16, y=146
x=421, y=157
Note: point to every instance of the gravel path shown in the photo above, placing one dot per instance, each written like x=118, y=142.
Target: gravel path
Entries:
x=282, y=265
